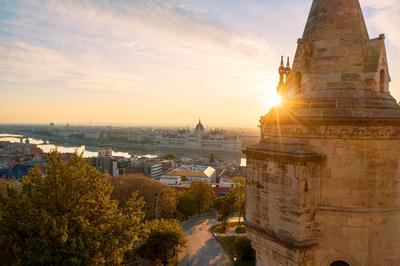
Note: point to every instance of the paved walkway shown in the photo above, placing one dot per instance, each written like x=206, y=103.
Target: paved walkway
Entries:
x=202, y=248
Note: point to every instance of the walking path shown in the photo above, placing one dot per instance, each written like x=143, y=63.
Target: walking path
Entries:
x=202, y=248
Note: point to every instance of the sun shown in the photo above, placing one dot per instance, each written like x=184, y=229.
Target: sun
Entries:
x=272, y=101
x=275, y=100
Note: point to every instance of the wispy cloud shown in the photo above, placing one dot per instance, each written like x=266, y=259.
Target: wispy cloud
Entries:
x=386, y=18
x=155, y=53
x=143, y=55
x=101, y=39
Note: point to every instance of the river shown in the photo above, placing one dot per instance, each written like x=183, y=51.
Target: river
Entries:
x=87, y=151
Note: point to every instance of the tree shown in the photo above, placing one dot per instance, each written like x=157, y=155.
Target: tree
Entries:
x=212, y=157
x=243, y=249
x=170, y=156
x=4, y=183
x=238, y=192
x=165, y=239
x=66, y=217
x=186, y=204
x=224, y=206
x=203, y=194
x=152, y=191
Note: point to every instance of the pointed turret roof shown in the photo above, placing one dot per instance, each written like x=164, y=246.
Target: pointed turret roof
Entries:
x=288, y=62
x=340, y=73
x=333, y=19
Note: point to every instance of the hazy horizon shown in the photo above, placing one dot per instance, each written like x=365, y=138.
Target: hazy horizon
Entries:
x=143, y=125
x=155, y=62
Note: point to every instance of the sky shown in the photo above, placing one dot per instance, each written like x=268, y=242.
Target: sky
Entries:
x=156, y=62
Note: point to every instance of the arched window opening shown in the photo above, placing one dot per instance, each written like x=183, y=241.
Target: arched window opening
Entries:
x=339, y=263
x=298, y=82
x=382, y=81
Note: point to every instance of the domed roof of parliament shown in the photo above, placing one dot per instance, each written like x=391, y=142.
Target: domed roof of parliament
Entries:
x=199, y=126
x=339, y=73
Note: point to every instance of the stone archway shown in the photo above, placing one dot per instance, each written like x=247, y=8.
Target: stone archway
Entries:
x=339, y=263
x=339, y=259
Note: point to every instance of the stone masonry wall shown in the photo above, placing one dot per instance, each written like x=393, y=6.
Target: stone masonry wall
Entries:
x=349, y=204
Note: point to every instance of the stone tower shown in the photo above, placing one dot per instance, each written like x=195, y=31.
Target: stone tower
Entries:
x=323, y=183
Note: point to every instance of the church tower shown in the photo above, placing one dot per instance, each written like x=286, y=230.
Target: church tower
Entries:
x=323, y=184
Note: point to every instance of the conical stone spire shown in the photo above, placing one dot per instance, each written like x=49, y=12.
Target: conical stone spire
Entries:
x=338, y=71
x=336, y=19
x=329, y=152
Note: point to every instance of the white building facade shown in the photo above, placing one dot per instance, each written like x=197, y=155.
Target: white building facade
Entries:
x=190, y=173
x=199, y=139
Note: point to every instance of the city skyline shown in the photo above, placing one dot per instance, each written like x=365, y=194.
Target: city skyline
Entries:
x=155, y=62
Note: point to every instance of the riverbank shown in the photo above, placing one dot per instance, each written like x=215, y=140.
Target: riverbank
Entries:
x=135, y=148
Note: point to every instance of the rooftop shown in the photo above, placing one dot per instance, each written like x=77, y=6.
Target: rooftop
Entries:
x=192, y=170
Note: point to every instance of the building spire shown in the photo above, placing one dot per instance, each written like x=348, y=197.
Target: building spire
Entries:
x=282, y=71
x=288, y=71
x=336, y=19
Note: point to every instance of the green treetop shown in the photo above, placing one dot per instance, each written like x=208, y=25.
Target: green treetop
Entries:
x=165, y=239
x=66, y=217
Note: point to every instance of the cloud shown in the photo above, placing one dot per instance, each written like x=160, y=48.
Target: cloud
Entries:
x=386, y=18
x=24, y=62
x=122, y=41
x=164, y=18
x=143, y=55
x=138, y=55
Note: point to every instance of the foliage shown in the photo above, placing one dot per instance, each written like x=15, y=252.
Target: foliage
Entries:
x=165, y=239
x=4, y=183
x=218, y=229
x=203, y=194
x=244, y=250
x=238, y=192
x=147, y=188
x=239, y=181
x=212, y=158
x=186, y=204
x=184, y=178
x=170, y=156
x=195, y=200
x=238, y=247
x=66, y=218
x=240, y=230
x=224, y=206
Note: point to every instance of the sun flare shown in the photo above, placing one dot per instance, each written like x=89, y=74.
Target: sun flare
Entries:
x=275, y=100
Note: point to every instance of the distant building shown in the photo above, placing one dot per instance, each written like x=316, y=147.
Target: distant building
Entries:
x=105, y=151
x=20, y=170
x=218, y=190
x=191, y=173
x=156, y=168
x=199, y=139
x=92, y=134
x=107, y=165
